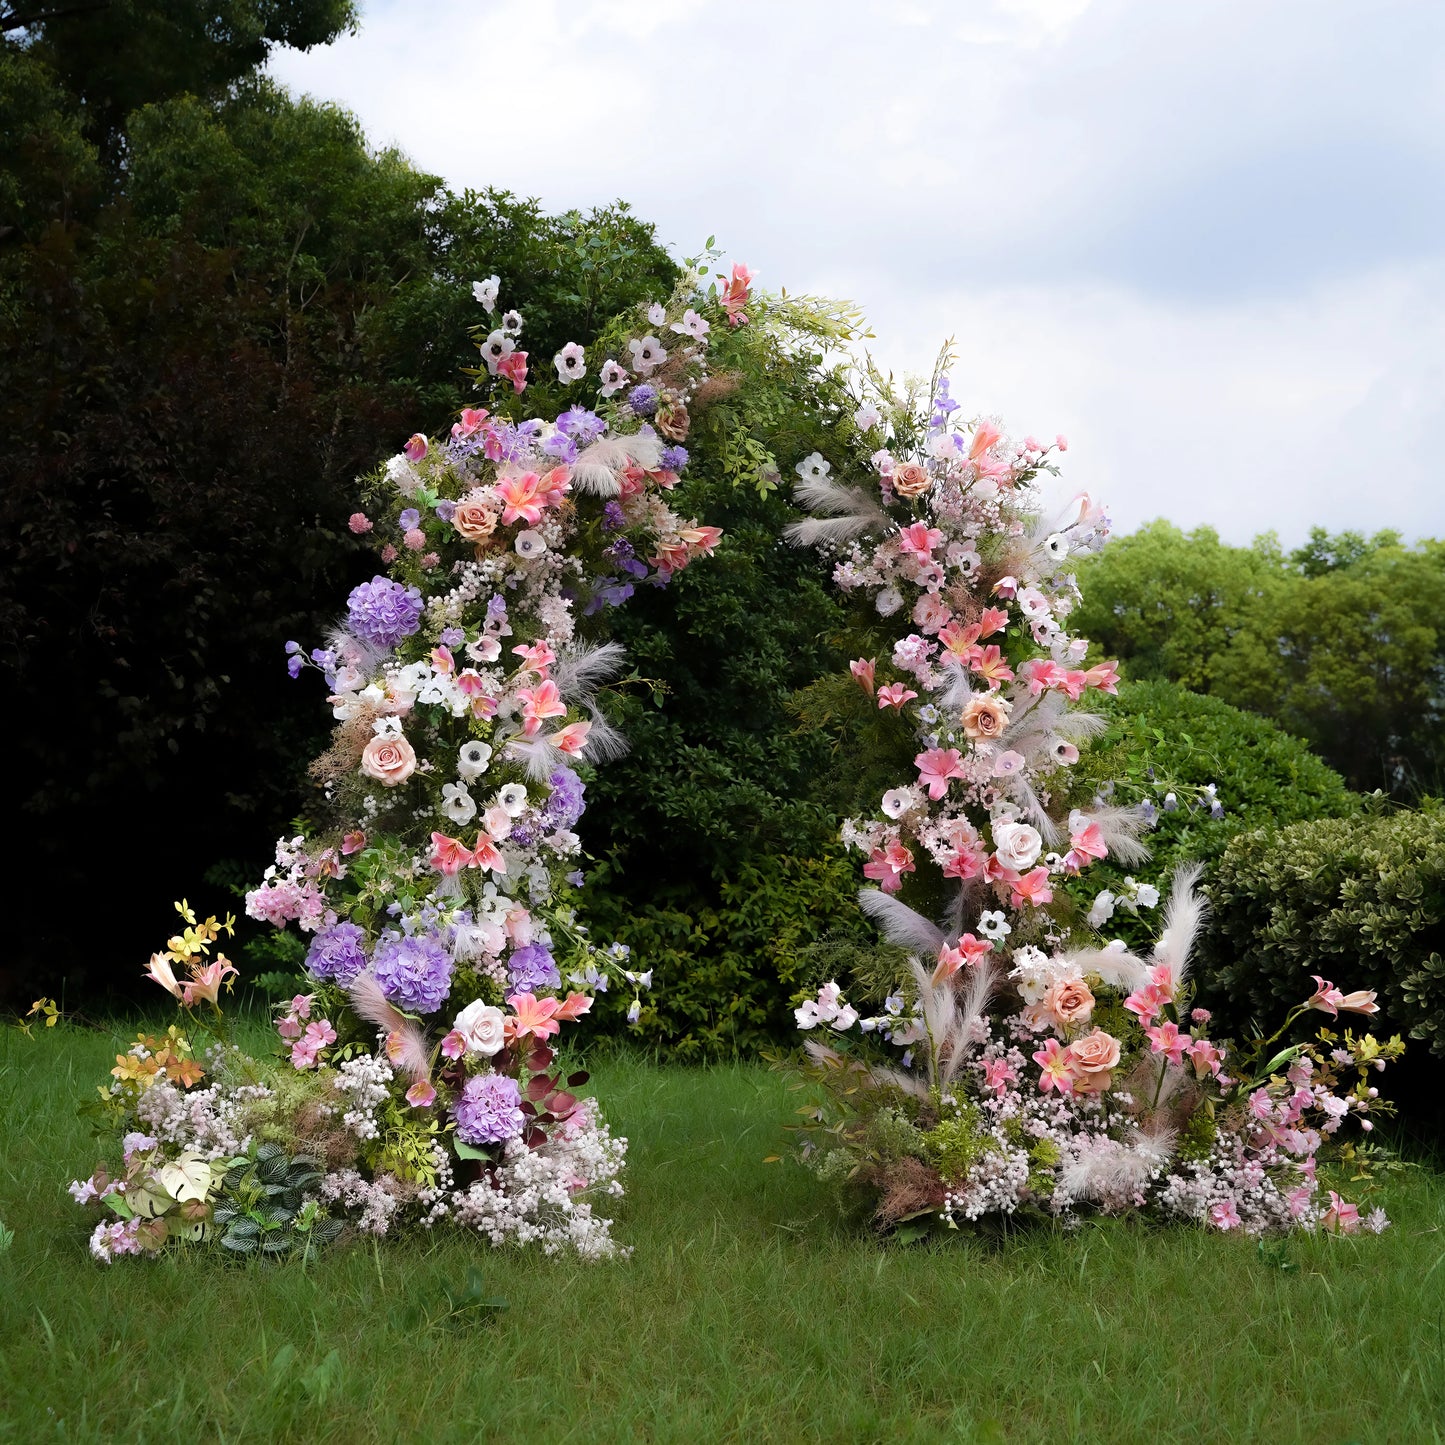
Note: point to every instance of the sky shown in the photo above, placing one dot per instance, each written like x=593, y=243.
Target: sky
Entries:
x=1204, y=239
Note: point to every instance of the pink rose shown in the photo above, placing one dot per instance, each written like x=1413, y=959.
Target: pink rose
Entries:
x=1069, y=1002
x=911, y=480
x=474, y=521
x=1091, y=1059
x=390, y=760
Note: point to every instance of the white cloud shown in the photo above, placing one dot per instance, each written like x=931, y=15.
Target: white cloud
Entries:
x=1203, y=240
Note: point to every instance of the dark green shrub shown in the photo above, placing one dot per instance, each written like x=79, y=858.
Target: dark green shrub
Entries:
x=1162, y=737
x=1359, y=900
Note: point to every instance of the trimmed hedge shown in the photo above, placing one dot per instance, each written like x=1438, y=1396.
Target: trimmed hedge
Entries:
x=1359, y=900
x=1161, y=735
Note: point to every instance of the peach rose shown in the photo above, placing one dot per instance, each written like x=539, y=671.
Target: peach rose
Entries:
x=985, y=718
x=1091, y=1061
x=474, y=521
x=390, y=760
x=672, y=419
x=1069, y=1002
x=911, y=480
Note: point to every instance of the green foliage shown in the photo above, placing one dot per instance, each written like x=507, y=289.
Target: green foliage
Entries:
x=955, y=1143
x=1162, y=737
x=1359, y=900
x=262, y=1209
x=1338, y=641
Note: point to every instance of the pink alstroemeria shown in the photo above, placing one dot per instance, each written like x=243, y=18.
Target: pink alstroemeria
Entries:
x=1341, y=1218
x=919, y=539
x=985, y=438
x=421, y=1095
x=1033, y=889
x=1166, y=1039
x=863, y=669
x=1055, y=1068
x=520, y=497
x=539, y=703
x=992, y=665
x=205, y=983
x=736, y=294
x=161, y=972
x=539, y=656
x=471, y=422
x=453, y=1046
x=936, y=767
x=965, y=953
x=572, y=738
x=514, y=368
x=1105, y=677
x=895, y=695
x=1085, y=846
x=535, y=1016
x=416, y=447
x=888, y=865
x=993, y=619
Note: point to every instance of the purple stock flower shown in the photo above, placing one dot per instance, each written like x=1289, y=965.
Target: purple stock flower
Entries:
x=414, y=973
x=612, y=518
x=642, y=399
x=338, y=953
x=533, y=967
x=489, y=1110
x=382, y=612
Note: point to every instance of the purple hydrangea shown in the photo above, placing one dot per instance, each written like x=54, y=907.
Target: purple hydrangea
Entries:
x=337, y=953
x=674, y=458
x=565, y=806
x=414, y=973
x=533, y=967
x=489, y=1110
x=642, y=399
x=560, y=446
x=583, y=426
x=382, y=612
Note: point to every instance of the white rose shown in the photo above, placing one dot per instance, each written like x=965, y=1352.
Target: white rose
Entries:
x=1017, y=844
x=482, y=1027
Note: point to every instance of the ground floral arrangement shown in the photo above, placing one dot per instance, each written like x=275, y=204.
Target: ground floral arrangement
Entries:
x=997, y=1056
x=417, y=1079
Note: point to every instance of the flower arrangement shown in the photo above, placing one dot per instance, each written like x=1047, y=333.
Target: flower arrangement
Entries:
x=418, y=1077
x=999, y=1056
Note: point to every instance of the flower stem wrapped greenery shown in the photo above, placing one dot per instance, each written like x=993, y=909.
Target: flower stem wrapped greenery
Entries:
x=999, y=1055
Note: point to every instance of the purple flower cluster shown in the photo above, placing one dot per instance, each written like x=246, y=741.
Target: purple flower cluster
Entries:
x=583, y=426
x=674, y=458
x=565, y=805
x=382, y=612
x=533, y=967
x=642, y=399
x=489, y=1110
x=337, y=953
x=414, y=973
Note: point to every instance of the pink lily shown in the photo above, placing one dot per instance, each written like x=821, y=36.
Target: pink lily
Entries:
x=895, y=695
x=936, y=767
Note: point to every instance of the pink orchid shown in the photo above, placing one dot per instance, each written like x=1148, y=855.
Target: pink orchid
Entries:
x=538, y=703
x=1166, y=1039
x=895, y=695
x=863, y=669
x=1054, y=1064
x=936, y=767
x=520, y=498
x=888, y=865
x=1033, y=889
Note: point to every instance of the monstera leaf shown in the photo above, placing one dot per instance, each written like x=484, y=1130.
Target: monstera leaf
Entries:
x=188, y=1177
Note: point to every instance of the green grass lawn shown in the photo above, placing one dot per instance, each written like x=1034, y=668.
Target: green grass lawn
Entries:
x=747, y=1311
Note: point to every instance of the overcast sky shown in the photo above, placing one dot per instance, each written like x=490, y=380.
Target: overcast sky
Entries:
x=1201, y=237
